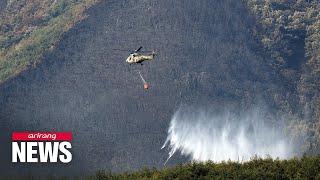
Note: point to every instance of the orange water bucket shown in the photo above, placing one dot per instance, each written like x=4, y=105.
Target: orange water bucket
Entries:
x=145, y=86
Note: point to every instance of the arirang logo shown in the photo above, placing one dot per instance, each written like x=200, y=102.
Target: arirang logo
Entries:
x=41, y=147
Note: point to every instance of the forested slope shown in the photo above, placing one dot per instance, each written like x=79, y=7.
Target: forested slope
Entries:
x=28, y=29
x=290, y=33
x=59, y=72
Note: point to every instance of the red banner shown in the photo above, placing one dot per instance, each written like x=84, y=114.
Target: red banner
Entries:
x=41, y=136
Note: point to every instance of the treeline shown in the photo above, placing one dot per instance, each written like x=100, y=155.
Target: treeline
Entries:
x=306, y=167
x=290, y=32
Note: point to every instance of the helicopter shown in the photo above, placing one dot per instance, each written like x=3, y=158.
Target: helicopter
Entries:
x=136, y=57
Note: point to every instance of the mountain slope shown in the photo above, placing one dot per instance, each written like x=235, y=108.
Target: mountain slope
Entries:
x=28, y=29
x=289, y=32
x=207, y=57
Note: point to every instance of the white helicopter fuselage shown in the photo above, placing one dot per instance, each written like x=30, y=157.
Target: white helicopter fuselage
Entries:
x=139, y=58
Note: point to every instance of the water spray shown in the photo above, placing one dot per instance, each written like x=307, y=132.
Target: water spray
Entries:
x=204, y=136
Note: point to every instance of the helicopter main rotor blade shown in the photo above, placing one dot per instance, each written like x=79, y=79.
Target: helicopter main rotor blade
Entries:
x=146, y=51
x=138, y=49
x=135, y=51
x=122, y=50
